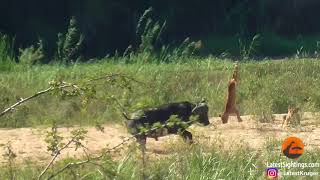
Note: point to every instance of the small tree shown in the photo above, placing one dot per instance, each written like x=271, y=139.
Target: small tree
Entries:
x=69, y=45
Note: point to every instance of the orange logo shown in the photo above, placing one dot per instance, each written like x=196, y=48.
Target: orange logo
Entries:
x=292, y=147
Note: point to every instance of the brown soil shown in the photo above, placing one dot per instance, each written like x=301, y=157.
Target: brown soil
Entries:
x=28, y=143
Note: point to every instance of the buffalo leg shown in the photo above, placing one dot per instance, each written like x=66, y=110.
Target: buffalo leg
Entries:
x=187, y=136
x=142, y=140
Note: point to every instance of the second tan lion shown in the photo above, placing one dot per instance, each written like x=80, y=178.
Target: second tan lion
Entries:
x=230, y=107
x=291, y=116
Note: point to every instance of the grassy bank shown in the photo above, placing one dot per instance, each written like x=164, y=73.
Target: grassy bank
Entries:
x=196, y=162
x=266, y=87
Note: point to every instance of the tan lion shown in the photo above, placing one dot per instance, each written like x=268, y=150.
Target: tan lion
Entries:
x=291, y=116
x=230, y=107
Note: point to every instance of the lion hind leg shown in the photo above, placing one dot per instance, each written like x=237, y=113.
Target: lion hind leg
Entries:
x=235, y=112
x=238, y=115
x=284, y=121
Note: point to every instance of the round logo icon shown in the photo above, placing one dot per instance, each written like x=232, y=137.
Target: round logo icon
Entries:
x=292, y=147
x=272, y=173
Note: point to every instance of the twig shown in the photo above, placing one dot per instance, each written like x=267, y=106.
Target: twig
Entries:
x=72, y=164
x=54, y=158
x=110, y=76
x=69, y=165
x=23, y=100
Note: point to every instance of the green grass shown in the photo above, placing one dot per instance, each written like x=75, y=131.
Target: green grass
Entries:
x=195, y=162
x=6, y=53
x=265, y=87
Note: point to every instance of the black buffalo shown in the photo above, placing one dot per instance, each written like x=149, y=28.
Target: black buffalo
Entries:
x=147, y=118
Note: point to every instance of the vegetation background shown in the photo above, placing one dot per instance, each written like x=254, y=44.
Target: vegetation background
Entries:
x=110, y=25
x=179, y=50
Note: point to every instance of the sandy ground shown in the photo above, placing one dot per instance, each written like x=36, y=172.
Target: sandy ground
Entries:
x=28, y=143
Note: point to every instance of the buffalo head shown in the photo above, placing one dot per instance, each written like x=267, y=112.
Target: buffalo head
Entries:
x=201, y=110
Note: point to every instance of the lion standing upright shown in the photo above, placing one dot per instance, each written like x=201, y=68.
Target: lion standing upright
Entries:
x=230, y=107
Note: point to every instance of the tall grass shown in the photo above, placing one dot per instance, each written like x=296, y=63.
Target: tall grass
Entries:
x=269, y=45
x=7, y=60
x=186, y=162
x=265, y=87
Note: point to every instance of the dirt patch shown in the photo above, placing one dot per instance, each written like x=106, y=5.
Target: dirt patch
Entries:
x=28, y=143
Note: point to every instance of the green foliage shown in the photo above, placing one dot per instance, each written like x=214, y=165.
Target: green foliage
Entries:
x=70, y=44
x=54, y=140
x=246, y=51
x=271, y=143
x=150, y=35
x=7, y=60
x=182, y=52
x=32, y=55
x=149, y=32
x=145, y=129
x=110, y=25
x=10, y=156
x=197, y=162
x=157, y=125
x=265, y=88
x=175, y=121
x=77, y=136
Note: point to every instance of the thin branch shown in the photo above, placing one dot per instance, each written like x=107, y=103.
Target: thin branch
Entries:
x=54, y=158
x=69, y=165
x=64, y=85
x=23, y=100
x=110, y=76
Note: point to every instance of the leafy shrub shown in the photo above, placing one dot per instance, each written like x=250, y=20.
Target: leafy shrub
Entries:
x=69, y=45
x=6, y=52
x=32, y=55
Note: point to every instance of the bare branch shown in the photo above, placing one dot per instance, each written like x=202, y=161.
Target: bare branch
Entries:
x=54, y=158
x=62, y=86
x=23, y=100
x=69, y=165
